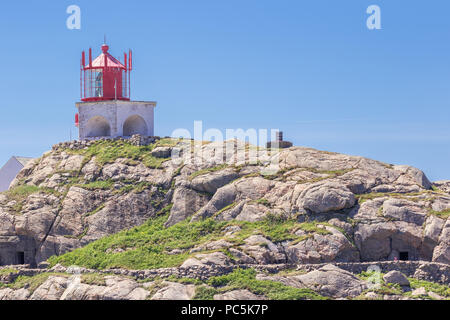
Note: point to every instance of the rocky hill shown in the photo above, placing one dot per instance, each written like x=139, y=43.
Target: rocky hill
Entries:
x=206, y=217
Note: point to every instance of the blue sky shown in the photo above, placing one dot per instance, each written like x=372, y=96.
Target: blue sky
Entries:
x=310, y=68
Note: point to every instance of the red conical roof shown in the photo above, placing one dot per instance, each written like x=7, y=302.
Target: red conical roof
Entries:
x=100, y=60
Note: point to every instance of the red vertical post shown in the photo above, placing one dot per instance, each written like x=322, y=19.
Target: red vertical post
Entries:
x=130, y=67
x=130, y=62
x=83, y=63
x=81, y=79
x=90, y=58
x=124, y=81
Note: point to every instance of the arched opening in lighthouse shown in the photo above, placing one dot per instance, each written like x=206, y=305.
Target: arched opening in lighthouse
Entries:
x=135, y=125
x=98, y=126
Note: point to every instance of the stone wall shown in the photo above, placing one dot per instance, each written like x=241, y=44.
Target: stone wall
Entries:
x=424, y=270
x=137, y=140
x=429, y=271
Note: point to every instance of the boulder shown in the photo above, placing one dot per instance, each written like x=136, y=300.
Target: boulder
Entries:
x=419, y=292
x=185, y=203
x=325, y=197
x=212, y=181
x=52, y=289
x=174, y=291
x=396, y=277
x=162, y=152
x=404, y=210
x=332, y=281
x=322, y=248
x=10, y=294
x=262, y=250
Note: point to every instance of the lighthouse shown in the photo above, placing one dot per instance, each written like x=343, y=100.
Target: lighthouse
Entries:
x=105, y=110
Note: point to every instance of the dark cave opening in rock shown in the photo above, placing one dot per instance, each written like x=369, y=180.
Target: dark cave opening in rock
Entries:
x=20, y=257
x=404, y=256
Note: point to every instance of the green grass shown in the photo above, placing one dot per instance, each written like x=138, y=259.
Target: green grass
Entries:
x=205, y=293
x=440, y=289
x=395, y=289
x=97, y=185
x=97, y=279
x=441, y=214
x=146, y=246
x=330, y=174
x=21, y=192
x=246, y=279
x=373, y=195
x=207, y=170
x=228, y=207
x=150, y=242
x=7, y=271
x=264, y=202
x=108, y=151
x=100, y=207
x=382, y=288
x=33, y=282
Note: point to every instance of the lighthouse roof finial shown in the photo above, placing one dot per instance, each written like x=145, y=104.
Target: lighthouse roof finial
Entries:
x=105, y=47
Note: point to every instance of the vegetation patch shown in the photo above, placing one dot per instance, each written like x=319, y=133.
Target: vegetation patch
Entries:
x=33, y=282
x=246, y=279
x=21, y=192
x=373, y=195
x=440, y=289
x=226, y=208
x=207, y=170
x=441, y=214
x=108, y=151
x=151, y=241
x=379, y=285
x=97, y=185
x=286, y=172
x=96, y=279
x=264, y=202
x=205, y=293
x=100, y=207
x=6, y=271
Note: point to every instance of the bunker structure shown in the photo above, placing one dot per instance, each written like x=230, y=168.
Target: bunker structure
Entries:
x=105, y=110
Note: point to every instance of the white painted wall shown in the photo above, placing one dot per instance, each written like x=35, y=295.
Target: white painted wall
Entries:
x=8, y=172
x=94, y=117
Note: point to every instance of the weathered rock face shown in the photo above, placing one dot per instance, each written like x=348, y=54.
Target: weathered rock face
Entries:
x=323, y=248
x=326, y=197
x=396, y=277
x=238, y=295
x=374, y=211
x=328, y=280
x=340, y=281
x=174, y=291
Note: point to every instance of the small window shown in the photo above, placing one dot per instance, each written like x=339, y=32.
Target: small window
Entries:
x=404, y=256
x=20, y=257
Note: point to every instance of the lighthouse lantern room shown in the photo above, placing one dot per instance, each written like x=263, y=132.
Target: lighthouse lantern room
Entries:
x=105, y=77
x=105, y=110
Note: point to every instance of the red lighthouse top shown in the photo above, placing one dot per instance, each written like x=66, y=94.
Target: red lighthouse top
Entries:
x=105, y=77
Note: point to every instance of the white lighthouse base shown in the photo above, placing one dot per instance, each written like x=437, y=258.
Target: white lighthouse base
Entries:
x=115, y=118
